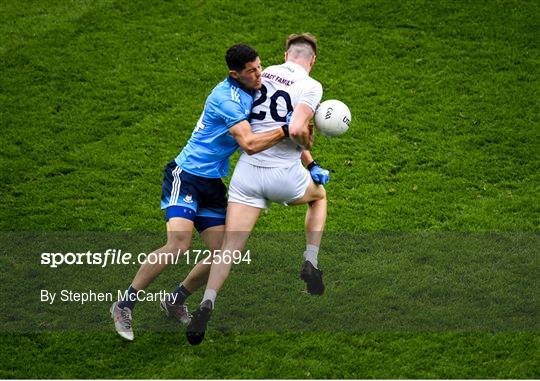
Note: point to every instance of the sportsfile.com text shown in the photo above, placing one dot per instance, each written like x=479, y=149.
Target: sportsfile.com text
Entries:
x=119, y=257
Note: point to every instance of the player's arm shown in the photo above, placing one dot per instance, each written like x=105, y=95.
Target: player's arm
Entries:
x=234, y=117
x=299, y=128
x=318, y=173
x=252, y=143
x=306, y=157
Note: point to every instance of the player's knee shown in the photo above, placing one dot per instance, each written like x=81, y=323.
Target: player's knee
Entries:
x=318, y=196
x=178, y=243
x=320, y=193
x=177, y=249
x=323, y=192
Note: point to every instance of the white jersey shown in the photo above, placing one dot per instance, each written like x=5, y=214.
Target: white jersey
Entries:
x=284, y=86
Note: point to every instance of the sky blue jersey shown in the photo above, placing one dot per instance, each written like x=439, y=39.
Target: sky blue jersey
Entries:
x=210, y=146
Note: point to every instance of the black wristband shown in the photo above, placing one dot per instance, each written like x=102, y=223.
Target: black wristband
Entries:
x=285, y=129
x=311, y=165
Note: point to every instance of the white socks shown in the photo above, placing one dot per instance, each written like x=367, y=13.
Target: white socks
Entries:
x=210, y=295
x=311, y=254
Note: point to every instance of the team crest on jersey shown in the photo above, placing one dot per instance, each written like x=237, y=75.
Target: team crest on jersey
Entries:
x=188, y=198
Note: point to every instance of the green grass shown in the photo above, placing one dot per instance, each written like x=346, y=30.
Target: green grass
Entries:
x=387, y=355
x=96, y=97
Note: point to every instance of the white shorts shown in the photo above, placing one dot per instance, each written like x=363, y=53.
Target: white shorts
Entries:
x=260, y=186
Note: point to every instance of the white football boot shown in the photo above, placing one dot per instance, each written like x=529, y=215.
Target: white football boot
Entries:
x=122, y=321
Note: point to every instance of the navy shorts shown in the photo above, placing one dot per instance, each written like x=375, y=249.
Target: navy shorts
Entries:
x=199, y=199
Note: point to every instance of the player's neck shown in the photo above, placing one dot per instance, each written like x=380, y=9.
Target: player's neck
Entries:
x=304, y=64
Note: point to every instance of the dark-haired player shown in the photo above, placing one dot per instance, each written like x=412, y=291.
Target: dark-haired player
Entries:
x=193, y=193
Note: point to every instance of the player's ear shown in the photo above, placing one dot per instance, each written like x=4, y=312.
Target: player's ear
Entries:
x=313, y=59
x=285, y=56
x=233, y=74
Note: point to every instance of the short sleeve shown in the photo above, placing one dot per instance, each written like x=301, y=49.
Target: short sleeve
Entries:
x=231, y=112
x=311, y=94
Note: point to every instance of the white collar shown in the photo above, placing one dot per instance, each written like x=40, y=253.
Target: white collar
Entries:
x=294, y=64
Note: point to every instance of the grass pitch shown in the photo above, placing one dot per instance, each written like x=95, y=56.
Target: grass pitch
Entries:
x=96, y=97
